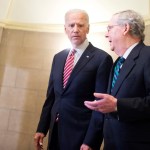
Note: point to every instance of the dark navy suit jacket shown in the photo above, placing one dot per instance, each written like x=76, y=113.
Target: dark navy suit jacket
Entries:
x=89, y=75
x=129, y=128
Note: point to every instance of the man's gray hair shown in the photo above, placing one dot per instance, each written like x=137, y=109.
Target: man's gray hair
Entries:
x=77, y=11
x=135, y=21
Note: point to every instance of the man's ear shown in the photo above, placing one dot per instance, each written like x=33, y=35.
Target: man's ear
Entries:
x=88, y=29
x=126, y=28
x=65, y=28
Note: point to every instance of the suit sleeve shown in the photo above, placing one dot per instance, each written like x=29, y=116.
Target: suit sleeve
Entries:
x=45, y=117
x=94, y=134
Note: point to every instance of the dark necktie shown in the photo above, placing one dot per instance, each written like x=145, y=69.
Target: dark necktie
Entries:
x=68, y=67
x=117, y=71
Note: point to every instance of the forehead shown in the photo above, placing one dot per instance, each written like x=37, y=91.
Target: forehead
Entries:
x=113, y=20
x=76, y=18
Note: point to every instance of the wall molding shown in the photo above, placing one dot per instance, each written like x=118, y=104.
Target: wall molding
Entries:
x=54, y=28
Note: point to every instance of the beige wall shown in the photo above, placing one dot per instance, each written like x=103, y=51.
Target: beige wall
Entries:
x=25, y=62
x=147, y=35
x=1, y=31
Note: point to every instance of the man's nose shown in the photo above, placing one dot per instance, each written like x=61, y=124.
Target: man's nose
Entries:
x=106, y=34
x=76, y=28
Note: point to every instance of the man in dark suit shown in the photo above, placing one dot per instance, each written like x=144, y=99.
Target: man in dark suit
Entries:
x=127, y=108
x=64, y=113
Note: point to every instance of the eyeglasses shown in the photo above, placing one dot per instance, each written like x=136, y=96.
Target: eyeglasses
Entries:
x=110, y=27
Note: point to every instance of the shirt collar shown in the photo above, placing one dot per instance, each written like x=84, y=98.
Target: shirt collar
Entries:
x=81, y=48
x=128, y=51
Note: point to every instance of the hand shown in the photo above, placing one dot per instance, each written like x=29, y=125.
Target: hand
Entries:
x=85, y=147
x=38, y=141
x=106, y=104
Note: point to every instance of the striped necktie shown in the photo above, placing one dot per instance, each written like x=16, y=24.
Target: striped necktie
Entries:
x=117, y=71
x=68, y=67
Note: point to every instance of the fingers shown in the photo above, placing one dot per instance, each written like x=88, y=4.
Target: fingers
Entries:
x=94, y=105
x=99, y=95
x=90, y=105
x=41, y=143
x=38, y=141
x=85, y=147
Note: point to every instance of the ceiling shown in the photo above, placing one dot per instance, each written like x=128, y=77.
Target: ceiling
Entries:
x=49, y=14
x=98, y=10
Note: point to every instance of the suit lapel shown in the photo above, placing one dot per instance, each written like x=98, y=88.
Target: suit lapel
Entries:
x=126, y=68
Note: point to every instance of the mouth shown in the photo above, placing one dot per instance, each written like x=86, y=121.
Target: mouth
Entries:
x=75, y=36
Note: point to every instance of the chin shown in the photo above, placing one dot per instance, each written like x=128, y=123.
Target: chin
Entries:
x=77, y=43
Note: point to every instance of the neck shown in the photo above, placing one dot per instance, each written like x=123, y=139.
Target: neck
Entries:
x=128, y=43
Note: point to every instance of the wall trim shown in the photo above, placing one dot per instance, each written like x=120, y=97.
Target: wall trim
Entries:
x=55, y=28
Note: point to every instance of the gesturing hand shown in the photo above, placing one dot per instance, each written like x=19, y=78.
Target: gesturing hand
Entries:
x=105, y=104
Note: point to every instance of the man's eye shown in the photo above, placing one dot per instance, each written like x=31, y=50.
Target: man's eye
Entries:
x=80, y=26
x=71, y=25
